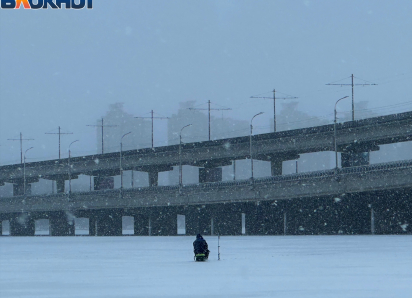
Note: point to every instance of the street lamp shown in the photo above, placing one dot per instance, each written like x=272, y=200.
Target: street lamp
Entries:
x=180, y=155
x=250, y=143
x=24, y=171
x=121, y=168
x=70, y=169
x=334, y=133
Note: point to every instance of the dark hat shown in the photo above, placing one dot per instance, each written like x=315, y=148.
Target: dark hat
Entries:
x=198, y=236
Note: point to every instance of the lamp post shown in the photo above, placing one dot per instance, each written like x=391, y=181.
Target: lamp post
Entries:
x=24, y=171
x=180, y=155
x=121, y=167
x=334, y=134
x=70, y=169
x=250, y=143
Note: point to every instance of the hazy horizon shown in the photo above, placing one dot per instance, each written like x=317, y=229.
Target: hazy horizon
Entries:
x=65, y=67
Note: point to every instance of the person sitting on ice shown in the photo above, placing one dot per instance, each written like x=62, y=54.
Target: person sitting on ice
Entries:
x=200, y=248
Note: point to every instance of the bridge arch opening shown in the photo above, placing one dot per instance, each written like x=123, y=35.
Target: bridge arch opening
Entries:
x=81, y=226
x=181, y=224
x=127, y=225
x=41, y=227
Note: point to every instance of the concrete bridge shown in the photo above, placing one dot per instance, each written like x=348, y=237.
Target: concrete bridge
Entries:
x=356, y=200
x=354, y=139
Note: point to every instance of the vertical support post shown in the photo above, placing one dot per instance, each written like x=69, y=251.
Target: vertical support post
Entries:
x=285, y=227
x=372, y=221
x=234, y=170
x=152, y=128
x=153, y=178
x=211, y=227
x=218, y=247
x=209, y=117
x=60, y=185
x=274, y=110
x=353, y=102
x=150, y=226
x=102, y=135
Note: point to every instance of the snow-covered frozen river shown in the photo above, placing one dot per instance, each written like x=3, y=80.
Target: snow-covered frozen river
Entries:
x=250, y=266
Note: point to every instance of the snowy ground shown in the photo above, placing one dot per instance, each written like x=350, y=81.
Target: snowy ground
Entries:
x=250, y=266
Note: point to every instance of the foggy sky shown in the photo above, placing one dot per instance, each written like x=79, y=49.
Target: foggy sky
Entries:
x=65, y=67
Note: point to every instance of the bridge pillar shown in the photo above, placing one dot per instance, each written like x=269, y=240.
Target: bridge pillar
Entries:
x=198, y=220
x=60, y=185
x=103, y=182
x=353, y=159
x=109, y=223
x=153, y=172
x=18, y=188
x=276, y=161
x=356, y=154
x=22, y=225
x=61, y=224
x=92, y=225
x=390, y=212
x=210, y=175
x=265, y=218
x=153, y=178
x=142, y=225
x=227, y=219
x=163, y=221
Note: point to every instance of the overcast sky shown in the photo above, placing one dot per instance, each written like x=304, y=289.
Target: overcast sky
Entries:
x=64, y=67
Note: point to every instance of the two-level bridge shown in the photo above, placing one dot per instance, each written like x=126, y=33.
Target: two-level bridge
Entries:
x=354, y=199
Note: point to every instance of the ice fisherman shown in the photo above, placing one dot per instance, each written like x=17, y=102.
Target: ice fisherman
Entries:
x=200, y=246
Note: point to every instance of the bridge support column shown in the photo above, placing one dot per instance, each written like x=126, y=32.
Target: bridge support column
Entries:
x=163, y=222
x=353, y=159
x=18, y=188
x=210, y=175
x=61, y=224
x=276, y=167
x=153, y=173
x=103, y=182
x=153, y=178
x=92, y=226
x=390, y=212
x=60, y=185
x=141, y=225
x=227, y=219
x=265, y=218
x=277, y=160
x=109, y=223
x=198, y=220
x=356, y=154
x=22, y=225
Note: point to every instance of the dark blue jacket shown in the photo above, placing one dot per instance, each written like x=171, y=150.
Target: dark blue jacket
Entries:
x=200, y=245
